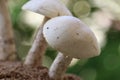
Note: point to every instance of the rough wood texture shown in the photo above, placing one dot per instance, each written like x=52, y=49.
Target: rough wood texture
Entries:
x=7, y=43
x=38, y=48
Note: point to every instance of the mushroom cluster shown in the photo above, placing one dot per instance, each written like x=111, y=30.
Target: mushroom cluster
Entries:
x=65, y=33
x=50, y=9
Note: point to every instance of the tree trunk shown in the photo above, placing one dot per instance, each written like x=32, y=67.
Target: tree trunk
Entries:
x=7, y=43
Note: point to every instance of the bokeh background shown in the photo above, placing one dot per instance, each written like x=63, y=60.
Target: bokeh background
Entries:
x=102, y=16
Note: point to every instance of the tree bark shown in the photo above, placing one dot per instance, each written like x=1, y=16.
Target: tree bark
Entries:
x=7, y=43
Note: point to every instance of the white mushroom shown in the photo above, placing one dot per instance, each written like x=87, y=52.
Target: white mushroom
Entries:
x=50, y=9
x=72, y=38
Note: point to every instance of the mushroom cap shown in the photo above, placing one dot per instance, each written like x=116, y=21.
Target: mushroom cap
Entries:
x=49, y=8
x=71, y=37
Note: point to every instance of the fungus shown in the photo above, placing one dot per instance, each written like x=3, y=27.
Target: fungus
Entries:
x=50, y=9
x=69, y=44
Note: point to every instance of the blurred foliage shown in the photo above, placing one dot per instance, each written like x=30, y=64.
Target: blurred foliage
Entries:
x=104, y=67
x=22, y=31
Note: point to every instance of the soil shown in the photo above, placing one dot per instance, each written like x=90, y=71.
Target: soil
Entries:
x=18, y=71
x=71, y=77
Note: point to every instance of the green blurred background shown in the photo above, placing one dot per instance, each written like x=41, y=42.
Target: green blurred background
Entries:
x=102, y=16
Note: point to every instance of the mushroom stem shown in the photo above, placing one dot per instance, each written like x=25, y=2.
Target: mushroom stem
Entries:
x=7, y=43
x=38, y=48
x=59, y=66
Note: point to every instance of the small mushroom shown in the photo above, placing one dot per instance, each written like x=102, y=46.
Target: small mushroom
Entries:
x=72, y=38
x=50, y=9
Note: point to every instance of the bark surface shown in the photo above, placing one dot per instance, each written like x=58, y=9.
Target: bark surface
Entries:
x=7, y=43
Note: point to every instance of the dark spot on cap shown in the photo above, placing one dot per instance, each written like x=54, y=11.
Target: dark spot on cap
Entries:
x=57, y=37
x=47, y=27
x=77, y=33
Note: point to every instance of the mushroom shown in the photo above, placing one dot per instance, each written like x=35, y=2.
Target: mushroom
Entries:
x=50, y=9
x=73, y=39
